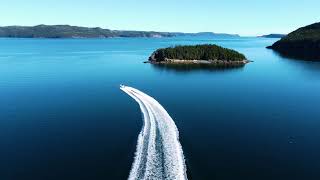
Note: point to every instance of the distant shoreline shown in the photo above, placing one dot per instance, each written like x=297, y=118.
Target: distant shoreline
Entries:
x=78, y=32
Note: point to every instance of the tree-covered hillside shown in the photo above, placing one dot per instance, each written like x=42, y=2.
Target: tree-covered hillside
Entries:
x=303, y=43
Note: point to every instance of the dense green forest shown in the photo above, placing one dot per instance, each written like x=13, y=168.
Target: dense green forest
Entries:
x=302, y=43
x=197, y=52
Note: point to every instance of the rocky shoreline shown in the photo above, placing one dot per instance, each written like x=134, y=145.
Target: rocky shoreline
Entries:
x=199, y=62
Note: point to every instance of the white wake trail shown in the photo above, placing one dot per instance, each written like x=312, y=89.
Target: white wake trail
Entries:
x=159, y=153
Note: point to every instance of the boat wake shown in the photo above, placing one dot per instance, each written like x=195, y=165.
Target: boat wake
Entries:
x=159, y=154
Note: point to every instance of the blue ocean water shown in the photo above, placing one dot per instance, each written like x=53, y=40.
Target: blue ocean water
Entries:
x=62, y=115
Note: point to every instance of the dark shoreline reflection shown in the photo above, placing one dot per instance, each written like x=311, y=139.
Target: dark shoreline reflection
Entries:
x=194, y=67
x=309, y=68
x=299, y=55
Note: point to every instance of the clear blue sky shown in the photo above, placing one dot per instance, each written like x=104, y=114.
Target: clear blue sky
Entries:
x=245, y=17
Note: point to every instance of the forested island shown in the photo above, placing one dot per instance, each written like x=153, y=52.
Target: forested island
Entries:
x=303, y=43
x=67, y=31
x=207, y=54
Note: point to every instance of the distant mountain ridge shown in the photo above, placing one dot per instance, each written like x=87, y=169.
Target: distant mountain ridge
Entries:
x=67, y=31
x=208, y=34
x=273, y=36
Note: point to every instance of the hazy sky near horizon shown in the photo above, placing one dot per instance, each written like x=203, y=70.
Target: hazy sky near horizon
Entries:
x=246, y=17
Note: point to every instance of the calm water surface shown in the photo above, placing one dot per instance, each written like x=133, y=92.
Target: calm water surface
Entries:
x=62, y=115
